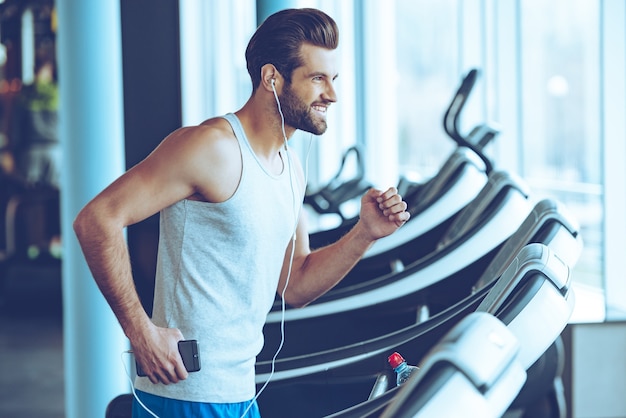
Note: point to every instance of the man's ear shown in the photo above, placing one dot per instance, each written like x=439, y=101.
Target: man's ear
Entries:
x=270, y=77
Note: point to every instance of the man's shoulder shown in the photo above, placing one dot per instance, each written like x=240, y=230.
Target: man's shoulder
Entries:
x=205, y=156
x=212, y=133
x=216, y=125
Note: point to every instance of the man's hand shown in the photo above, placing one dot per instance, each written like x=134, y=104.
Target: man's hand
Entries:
x=383, y=212
x=157, y=352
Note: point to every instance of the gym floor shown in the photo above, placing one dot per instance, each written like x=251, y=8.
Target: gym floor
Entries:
x=31, y=349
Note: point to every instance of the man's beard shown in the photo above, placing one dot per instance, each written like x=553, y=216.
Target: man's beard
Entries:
x=299, y=115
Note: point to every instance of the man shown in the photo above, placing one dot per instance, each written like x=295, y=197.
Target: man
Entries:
x=229, y=193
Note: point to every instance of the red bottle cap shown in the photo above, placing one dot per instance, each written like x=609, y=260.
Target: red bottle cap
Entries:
x=395, y=360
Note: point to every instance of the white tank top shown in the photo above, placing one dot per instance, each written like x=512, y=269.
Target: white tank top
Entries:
x=217, y=273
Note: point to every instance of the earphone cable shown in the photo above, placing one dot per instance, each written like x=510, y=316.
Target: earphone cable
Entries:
x=293, y=247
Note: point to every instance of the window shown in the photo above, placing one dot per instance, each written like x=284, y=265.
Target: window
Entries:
x=551, y=72
x=214, y=36
x=428, y=74
x=560, y=127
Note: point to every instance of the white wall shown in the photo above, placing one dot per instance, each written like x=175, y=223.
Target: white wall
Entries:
x=597, y=369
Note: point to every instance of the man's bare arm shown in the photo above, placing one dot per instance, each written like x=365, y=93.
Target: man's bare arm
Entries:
x=167, y=175
x=315, y=272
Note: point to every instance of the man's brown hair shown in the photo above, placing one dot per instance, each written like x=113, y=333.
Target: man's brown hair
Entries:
x=278, y=40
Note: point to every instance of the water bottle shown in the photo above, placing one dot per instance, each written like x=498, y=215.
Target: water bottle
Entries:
x=402, y=369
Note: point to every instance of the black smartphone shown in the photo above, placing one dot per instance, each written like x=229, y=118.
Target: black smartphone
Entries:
x=188, y=350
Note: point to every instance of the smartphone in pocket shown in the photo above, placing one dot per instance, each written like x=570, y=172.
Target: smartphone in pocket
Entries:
x=188, y=350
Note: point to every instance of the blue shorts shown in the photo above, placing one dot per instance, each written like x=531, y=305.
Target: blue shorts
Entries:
x=173, y=408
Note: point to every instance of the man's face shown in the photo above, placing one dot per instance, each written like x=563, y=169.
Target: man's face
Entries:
x=306, y=99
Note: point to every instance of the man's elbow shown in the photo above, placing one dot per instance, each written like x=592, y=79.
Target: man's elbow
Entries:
x=86, y=218
x=80, y=224
x=85, y=223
